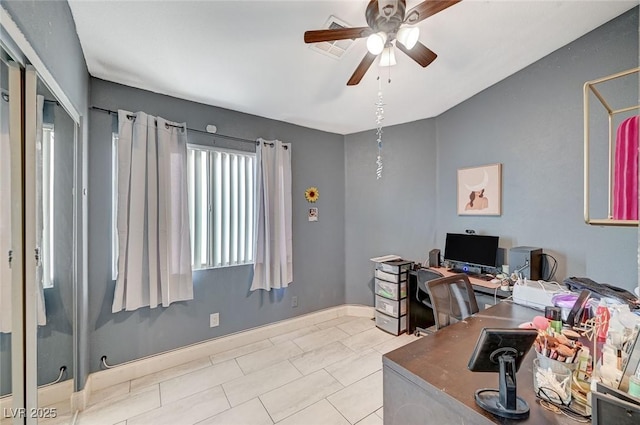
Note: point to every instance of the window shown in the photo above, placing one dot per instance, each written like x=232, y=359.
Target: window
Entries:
x=47, y=204
x=221, y=206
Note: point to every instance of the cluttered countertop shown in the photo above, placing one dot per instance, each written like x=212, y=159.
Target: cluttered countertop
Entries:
x=584, y=328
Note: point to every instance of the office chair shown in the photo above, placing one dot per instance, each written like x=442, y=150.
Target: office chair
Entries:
x=422, y=294
x=451, y=298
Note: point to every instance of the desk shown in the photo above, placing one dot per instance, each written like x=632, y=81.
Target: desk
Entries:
x=427, y=381
x=420, y=316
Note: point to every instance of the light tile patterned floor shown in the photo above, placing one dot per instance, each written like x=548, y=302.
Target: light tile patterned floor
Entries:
x=329, y=373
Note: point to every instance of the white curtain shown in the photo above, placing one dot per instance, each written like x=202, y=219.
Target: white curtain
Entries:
x=5, y=218
x=42, y=212
x=154, y=255
x=273, y=260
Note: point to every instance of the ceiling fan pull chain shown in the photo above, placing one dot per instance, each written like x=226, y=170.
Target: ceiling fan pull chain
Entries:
x=379, y=119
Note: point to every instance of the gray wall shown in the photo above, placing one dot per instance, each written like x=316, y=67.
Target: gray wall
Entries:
x=318, y=253
x=50, y=29
x=395, y=214
x=530, y=122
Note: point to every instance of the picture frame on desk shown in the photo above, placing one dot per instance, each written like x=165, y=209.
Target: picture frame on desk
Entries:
x=480, y=190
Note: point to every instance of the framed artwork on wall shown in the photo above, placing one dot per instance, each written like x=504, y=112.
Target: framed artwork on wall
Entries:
x=480, y=190
x=313, y=214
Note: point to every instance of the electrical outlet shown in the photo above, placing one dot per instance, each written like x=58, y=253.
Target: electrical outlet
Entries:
x=294, y=301
x=214, y=320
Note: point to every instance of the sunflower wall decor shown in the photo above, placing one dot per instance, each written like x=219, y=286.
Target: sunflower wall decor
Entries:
x=311, y=194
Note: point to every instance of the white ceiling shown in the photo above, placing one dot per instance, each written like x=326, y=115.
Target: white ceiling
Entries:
x=250, y=56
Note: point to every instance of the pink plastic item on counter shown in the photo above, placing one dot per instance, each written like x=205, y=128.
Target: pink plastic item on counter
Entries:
x=602, y=317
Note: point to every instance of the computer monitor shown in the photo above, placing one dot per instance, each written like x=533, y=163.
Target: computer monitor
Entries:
x=502, y=350
x=574, y=316
x=608, y=409
x=617, y=393
x=477, y=250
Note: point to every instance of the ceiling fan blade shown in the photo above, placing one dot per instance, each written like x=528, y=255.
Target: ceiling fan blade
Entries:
x=317, y=36
x=420, y=53
x=361, y=69
x=426, y=9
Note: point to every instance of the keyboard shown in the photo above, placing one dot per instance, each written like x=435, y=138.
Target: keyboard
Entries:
x=474, y=275
x=459, y=271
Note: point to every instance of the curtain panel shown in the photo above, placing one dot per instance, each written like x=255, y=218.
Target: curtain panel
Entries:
x=153, y=250
x=42, y=211
x=273, y=257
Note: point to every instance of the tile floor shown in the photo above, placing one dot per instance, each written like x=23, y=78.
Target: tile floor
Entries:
x=329, y=373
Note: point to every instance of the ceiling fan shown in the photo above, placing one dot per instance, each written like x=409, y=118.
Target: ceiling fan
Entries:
x=388, y=20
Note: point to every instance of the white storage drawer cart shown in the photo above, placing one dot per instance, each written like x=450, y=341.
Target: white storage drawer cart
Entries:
x=391, y=281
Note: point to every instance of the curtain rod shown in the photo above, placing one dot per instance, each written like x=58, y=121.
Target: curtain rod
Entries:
x=222, y=136
x=5, y=97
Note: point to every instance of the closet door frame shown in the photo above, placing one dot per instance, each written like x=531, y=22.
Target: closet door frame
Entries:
x=31, y=256
x=16, y=115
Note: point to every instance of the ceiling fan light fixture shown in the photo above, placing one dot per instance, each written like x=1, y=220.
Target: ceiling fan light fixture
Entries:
x=376, y=42
x=388, y=57
x=408, y=36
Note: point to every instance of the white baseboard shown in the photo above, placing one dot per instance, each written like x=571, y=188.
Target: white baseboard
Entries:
x=145, y=366
x=80, y=399
x=51, y=394
x=359, y=311
x=6, y=402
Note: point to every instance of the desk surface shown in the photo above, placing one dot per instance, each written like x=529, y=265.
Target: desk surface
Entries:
x=436, y=365
x=474, y=281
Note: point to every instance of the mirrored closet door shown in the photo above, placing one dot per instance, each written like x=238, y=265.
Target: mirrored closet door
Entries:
x=5, y=232
x=50, y=173
x=38, y=221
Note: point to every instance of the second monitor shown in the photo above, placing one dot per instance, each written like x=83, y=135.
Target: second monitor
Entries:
x=526, y=260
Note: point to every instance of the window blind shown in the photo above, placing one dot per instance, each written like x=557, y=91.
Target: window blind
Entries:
x=221, y=206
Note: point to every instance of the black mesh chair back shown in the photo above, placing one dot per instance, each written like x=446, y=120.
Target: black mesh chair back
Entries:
x=424, y=276
x=452, y=299
x=422, y=296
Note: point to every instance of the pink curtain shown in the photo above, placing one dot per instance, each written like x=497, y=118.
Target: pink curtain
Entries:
x=625, y=183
